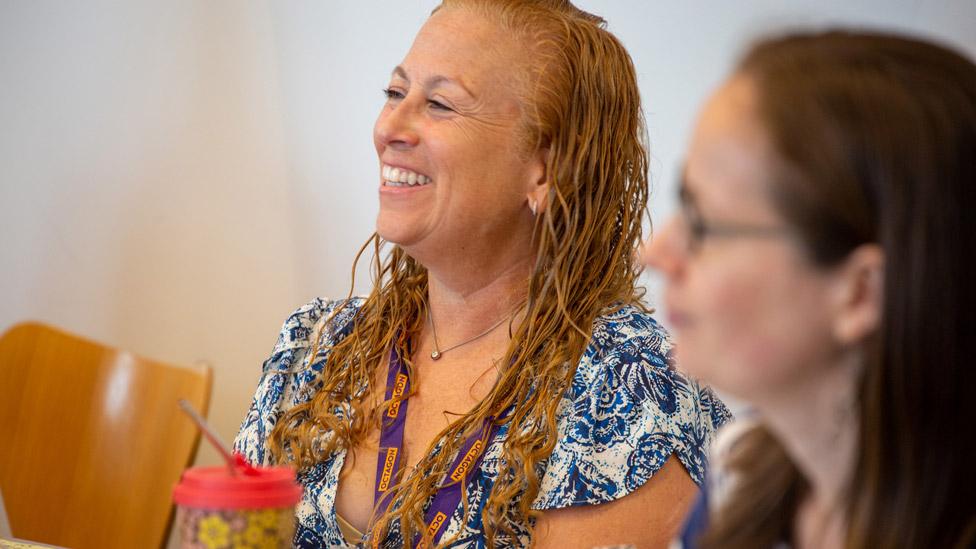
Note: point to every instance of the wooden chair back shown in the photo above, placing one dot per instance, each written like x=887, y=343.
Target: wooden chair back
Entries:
x=91, y=439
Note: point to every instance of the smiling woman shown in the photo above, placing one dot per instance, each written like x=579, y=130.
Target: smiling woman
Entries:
x=453, y=119
x=502, y=385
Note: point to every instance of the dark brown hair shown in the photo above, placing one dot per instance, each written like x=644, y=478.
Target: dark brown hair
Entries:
x=877, y=138
x=581, y=101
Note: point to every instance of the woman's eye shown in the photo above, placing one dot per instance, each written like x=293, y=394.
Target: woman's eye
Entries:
x=437, y=105
x=391, y=93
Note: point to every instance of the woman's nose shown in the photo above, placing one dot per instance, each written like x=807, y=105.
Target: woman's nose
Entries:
x=664, y=252
x=396, y=125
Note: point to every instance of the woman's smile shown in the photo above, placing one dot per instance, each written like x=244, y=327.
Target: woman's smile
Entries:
x=401, y=177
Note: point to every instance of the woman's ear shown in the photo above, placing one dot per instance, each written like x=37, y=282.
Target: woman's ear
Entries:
x=538, y=192
x=859, y=294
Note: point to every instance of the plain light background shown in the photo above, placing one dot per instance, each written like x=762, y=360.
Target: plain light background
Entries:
x=177, y=176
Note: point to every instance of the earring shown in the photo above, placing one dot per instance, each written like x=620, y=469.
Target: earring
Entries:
x=532, y=206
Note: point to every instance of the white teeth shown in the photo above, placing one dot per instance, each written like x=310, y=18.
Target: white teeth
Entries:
x=400, y=177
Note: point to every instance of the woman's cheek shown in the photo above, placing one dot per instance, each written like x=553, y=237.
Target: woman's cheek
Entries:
x=734, y=348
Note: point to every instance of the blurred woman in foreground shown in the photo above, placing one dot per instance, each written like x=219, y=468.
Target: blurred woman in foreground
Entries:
x=821, y=270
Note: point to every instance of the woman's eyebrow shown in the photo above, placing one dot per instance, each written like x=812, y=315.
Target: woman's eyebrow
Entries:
x=434, y=80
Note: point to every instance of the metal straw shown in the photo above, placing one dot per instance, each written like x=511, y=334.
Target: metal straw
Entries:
x=211, y=435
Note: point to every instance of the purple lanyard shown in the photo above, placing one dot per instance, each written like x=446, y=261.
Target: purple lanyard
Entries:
x=388, y=462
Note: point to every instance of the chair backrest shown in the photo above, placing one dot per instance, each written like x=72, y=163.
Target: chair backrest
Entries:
x=91, y=439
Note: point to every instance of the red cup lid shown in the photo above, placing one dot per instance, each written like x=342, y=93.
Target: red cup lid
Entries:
x=215, y=488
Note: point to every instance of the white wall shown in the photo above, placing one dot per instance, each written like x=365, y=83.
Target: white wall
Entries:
x=176, y=176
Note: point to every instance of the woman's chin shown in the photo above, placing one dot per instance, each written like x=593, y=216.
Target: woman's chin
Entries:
x=394, y=231
x=409, y=243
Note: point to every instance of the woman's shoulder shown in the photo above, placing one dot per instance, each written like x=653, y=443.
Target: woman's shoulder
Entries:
x=629, y=325
x=629, y=346
x=291, y=375
x=303, y=325
x=315, y=327
x=629, y=409
x=300, y=326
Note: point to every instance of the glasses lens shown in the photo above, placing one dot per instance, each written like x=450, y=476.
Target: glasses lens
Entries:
x=694, y=226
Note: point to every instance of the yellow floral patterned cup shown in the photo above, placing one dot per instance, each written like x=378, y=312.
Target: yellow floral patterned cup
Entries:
x=253, y=508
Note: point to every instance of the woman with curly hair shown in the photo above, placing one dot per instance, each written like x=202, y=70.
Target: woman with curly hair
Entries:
x=501, y=385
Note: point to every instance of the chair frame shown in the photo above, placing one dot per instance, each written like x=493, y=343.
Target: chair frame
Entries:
x=91, y=439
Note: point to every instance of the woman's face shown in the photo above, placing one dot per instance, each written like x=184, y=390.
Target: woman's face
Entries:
x=749, y=313
x=454, y=172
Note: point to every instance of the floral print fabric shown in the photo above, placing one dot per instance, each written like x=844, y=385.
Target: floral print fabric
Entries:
x=235, y=528
x=628, y=410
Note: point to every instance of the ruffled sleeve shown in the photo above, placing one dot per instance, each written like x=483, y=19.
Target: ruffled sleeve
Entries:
x=628, y=411
x=290, y=376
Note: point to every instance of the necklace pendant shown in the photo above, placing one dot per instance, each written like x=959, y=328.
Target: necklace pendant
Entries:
x=435, y=354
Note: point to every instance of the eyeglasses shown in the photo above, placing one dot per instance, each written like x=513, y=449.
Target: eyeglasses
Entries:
x=698, y=229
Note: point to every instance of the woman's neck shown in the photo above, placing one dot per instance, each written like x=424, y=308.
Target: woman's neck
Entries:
x=817, y=423
x=465, y=304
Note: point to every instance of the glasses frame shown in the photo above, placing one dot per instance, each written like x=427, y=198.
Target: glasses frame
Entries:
x=698, y=229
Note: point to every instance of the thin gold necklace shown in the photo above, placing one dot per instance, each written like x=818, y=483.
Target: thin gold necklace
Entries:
x=437, y=353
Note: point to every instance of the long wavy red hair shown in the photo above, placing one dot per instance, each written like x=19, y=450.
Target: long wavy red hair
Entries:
x=581, y=101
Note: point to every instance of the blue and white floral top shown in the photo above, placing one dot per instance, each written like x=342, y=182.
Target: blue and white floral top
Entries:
x=627, y=412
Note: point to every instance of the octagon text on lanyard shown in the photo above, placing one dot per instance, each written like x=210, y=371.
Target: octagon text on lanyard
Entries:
x=388, y=463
